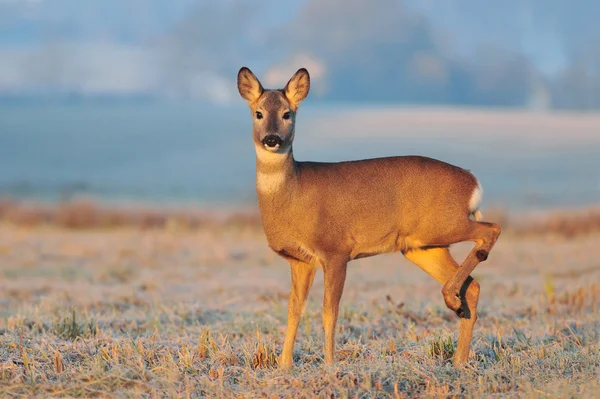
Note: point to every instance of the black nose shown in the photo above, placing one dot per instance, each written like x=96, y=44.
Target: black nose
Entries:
x=271, y=140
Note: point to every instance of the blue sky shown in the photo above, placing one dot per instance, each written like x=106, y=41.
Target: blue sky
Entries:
x=192, y=48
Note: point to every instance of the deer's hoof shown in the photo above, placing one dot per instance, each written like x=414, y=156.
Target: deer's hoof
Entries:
x=454, y=303
x=284, y=363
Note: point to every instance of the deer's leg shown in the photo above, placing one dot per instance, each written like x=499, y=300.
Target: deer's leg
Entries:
x=469, y=298
x=440, y=265
x=334, y=278
x=303, y=275
x=485, y=236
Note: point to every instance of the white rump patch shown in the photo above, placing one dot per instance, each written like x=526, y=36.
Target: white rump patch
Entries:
x=475, y=200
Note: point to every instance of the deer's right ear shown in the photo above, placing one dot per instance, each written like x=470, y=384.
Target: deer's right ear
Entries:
x=248, y=85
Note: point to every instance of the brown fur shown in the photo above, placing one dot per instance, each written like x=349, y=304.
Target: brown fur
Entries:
x=326, y=214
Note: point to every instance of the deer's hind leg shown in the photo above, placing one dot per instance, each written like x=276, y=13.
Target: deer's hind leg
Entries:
x=485, y=235
x=439, y=264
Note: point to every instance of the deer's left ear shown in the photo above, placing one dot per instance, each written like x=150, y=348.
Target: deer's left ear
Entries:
x=248, y=85
x=297, y=88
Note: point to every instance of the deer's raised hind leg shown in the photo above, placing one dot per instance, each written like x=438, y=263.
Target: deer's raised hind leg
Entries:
x=485, y=236
x=440, y=265
x=303, y=276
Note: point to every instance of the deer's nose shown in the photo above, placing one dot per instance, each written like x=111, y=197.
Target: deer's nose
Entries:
x=272, y=140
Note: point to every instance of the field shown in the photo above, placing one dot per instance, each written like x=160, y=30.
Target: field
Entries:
x=171, y=306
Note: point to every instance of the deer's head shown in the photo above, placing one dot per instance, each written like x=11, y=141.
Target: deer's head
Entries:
x=273, y=111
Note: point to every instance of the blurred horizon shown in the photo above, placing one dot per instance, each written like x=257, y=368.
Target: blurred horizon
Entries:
x=529, y=54
x=181, y=154
x=136, y=100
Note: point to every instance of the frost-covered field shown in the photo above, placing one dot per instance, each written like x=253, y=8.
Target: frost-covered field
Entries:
x=176, y=312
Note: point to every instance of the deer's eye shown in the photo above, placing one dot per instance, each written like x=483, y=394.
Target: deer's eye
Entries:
x=258, y=115
x=286, y=115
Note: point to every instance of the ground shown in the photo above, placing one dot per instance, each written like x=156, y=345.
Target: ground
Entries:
x=177, y=312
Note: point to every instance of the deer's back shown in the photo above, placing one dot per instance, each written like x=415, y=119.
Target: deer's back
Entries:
x=374, y=205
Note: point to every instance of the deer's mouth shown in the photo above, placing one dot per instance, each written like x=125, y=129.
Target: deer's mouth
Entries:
x=272, y=141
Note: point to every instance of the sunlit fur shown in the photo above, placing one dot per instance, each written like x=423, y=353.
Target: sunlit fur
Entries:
x=269, y=180
x=476, y=198
x=326, y=214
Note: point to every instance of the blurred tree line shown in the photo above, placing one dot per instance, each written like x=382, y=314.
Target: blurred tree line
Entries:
x=516, y=53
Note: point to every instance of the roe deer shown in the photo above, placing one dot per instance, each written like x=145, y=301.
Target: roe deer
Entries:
x=325, y=214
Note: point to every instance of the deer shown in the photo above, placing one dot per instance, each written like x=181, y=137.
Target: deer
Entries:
x=323, y=215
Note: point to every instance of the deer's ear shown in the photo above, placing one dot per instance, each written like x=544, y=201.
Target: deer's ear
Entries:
x=248, y=85
x=297, y=88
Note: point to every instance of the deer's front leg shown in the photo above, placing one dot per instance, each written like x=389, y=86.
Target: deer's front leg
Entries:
x=303, y=275
x=334, y=279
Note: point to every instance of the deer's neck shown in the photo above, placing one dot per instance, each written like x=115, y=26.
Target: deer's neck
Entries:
x=274, y=173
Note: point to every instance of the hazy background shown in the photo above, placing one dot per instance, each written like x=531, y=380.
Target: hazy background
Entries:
x=136, y=99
